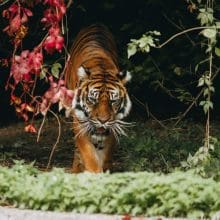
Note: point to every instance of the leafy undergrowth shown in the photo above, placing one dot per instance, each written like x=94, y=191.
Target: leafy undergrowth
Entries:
x=142, y=193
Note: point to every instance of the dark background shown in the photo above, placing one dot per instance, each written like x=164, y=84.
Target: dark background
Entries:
x=127, y=20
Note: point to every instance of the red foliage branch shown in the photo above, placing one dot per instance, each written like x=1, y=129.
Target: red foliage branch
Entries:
x=18, y=18
x=26, y=67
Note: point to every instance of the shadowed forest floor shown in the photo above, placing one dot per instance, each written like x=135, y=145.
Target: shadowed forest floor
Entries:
x=148, y=146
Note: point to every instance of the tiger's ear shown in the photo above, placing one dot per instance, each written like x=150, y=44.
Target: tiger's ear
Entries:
x=124, y=76
x=83, y=73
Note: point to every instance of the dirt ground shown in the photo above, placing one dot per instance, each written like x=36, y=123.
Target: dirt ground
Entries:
x=148, y=146
x=16, y=144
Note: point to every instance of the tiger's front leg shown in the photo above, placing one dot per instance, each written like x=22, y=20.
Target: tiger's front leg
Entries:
x=105, y=151
x=86, y=157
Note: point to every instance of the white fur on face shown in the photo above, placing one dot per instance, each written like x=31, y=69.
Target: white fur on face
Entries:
x=81, y=73
x=78, y=112
x=126, y=109
x=125, y=78
x=128, y=106
x=74, y=98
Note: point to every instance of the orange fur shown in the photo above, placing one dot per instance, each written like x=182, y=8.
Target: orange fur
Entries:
x=91, y=54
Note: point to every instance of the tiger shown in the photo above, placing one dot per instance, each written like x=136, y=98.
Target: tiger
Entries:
x=100, y=100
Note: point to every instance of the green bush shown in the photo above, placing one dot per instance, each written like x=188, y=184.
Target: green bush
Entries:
x=177, y=194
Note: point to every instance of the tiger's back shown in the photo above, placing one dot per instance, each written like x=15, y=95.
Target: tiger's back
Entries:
x=94, y=49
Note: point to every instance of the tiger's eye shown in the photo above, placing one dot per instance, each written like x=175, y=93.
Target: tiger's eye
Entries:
x=116, y=101
x=90, y=100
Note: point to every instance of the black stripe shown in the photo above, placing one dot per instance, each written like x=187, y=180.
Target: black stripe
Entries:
x=78, y=107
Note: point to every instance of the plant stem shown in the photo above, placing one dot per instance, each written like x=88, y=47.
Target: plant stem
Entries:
x=57, y=141
x=207, y=133
x=184, y=32
x=207, y=138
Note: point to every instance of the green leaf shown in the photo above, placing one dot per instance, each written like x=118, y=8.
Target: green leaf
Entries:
x=55, y=69
x=209, y=48
x=205, y=16
x=217, y=24
x=196, y=67
x=206, y=105
x=202, y=10
x=146, y=49
x=151, y=42
x=209, y=33
x=217, y=51
x=201, y=82
x=132, y=49
x=143, y=42
x=184, y=164
x=43, y=73
x=212, y=89
x=206, y=92
x=178, y=71
x=207, y=81
x=157, y=33
x=202, y=103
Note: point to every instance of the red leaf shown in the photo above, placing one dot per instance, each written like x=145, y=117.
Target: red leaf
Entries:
x=15, y=24
x=15, y=100
x=13, y=8
x=24, y=18
x=27, y=12
x=29, y=108
x=30, y=128
x=54, y=41
x=24, y=116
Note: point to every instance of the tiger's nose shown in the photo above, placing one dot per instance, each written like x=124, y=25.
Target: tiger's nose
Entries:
x=103, y=119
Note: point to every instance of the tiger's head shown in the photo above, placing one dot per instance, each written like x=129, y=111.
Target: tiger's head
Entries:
x=101, y=102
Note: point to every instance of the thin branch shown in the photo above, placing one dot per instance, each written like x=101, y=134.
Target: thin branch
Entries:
x=179, y=28
x=165, y=162
x=172, y=22
x=209, y=99
x=4, y=2
x=166, y=90
x=34, y=86
x=149, y=113
x=40, y=129
x=183, y=32
x=57, y=141
x=189, y=108
x=69, y=3
x=189, y=38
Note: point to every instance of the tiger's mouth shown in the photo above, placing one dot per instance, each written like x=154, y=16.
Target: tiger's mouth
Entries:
x=102, y=130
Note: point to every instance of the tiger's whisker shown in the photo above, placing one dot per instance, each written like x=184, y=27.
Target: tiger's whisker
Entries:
x=124, y=123
x=115, y=134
